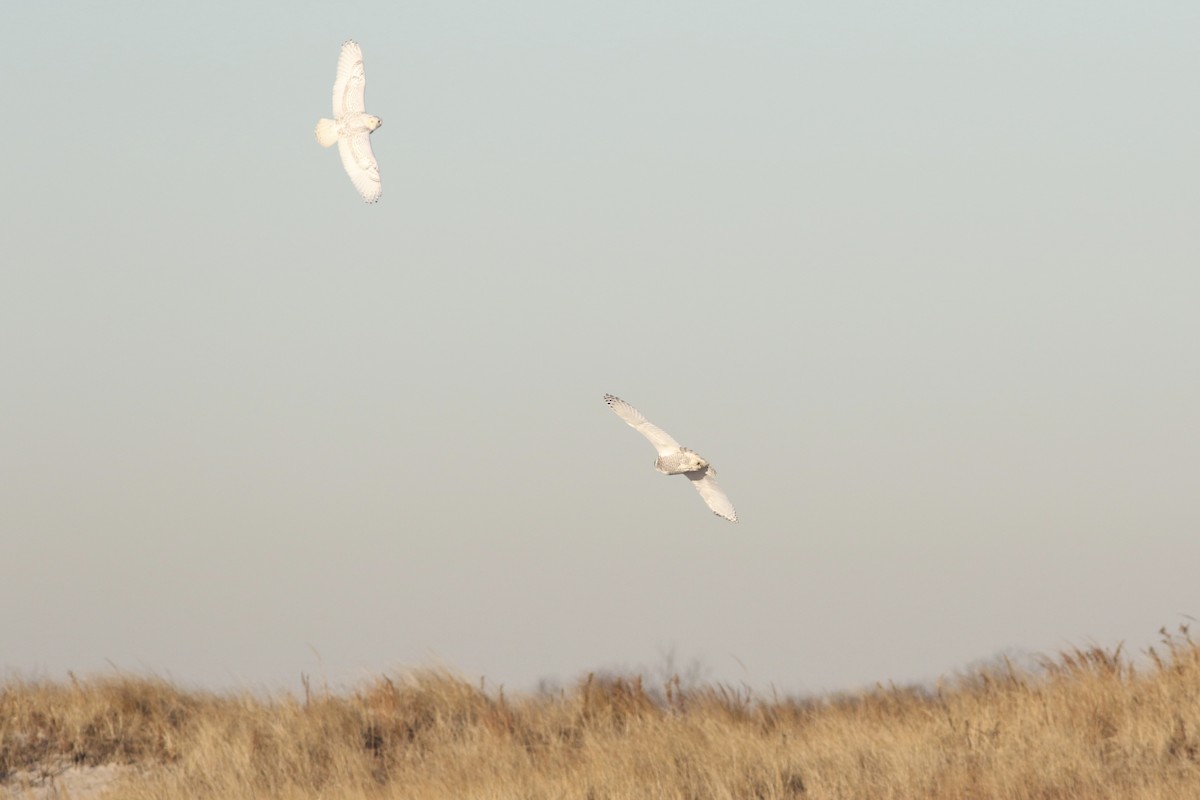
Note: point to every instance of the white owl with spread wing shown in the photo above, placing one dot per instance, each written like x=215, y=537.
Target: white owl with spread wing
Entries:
x=675, y=459
x=351, y=126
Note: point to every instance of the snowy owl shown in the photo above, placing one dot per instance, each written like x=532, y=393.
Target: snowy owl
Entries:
x=674, y=459
x=351, y=126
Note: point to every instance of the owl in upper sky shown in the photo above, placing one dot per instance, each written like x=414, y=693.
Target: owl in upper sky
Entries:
x=351, y=126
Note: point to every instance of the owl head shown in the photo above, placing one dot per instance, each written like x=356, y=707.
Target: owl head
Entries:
x=373, y=123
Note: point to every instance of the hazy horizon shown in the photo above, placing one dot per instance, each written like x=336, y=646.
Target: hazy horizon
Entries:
x=920, y=280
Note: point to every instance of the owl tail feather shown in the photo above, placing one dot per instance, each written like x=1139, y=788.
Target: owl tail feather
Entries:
x=326, y=132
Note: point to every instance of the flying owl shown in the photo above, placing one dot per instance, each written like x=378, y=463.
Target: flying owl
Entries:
x=351, y=126
x=674, y=459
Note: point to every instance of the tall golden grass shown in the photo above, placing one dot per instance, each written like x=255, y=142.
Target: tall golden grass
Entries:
x=1088, y=724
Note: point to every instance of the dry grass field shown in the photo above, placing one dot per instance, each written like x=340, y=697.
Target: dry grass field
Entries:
x=1088, y=724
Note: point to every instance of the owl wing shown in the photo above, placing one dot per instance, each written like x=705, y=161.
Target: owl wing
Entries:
x=360, y=165
x=662, y=442
x=350, y=85
x=705, y=481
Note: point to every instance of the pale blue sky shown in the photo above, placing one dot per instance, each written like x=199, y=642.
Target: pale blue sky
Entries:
x=920, y=279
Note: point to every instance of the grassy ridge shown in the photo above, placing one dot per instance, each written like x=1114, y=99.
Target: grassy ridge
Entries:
x=1088, y=725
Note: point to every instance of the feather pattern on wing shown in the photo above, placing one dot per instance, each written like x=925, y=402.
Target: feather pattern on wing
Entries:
x=361, y=166
x=705, y=481
x=662, y=442
x=350, y=85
